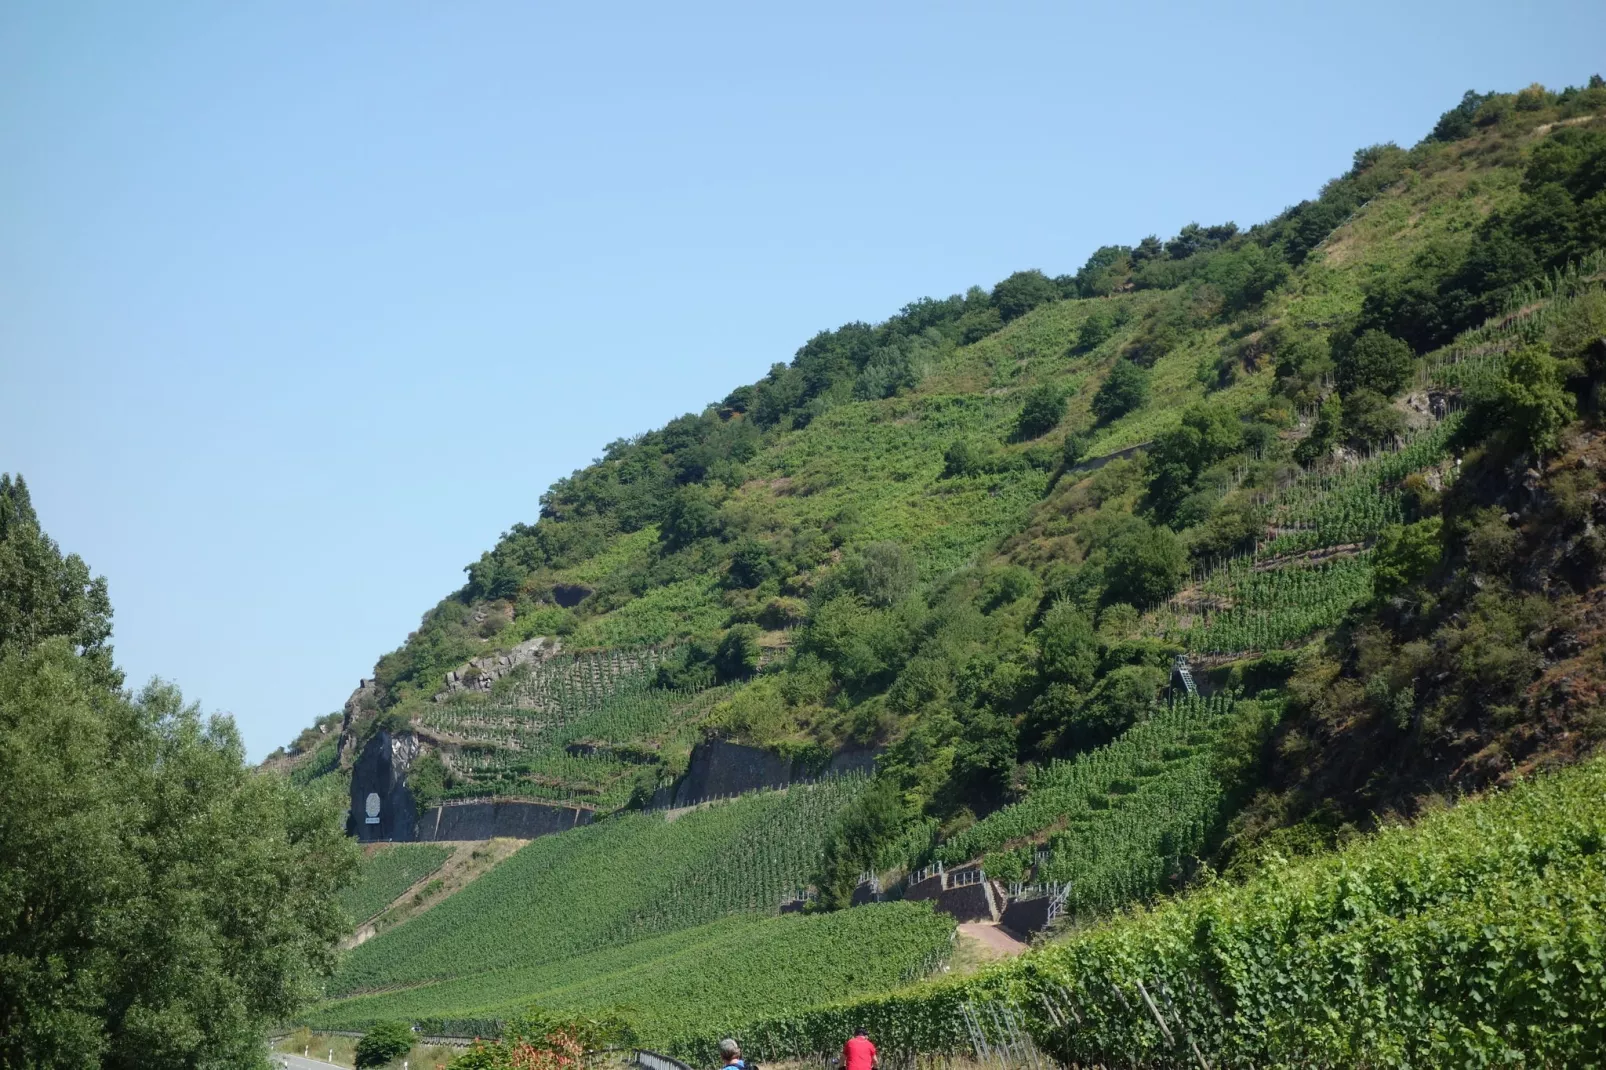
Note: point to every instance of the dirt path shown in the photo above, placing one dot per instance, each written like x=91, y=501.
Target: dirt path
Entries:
x=998, y=943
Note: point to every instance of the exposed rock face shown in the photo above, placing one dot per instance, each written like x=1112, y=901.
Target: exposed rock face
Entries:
x=363, y=700
x=381, y=806
x=478, y=674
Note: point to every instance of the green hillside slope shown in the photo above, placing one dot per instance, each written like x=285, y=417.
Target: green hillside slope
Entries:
x=607, y=884
x=1347, y=462
x=671, y=987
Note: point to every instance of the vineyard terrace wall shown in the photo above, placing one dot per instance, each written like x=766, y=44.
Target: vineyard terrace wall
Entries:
x=721, y=768
x=484, y=819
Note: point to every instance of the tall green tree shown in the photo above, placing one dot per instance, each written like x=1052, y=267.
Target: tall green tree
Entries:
x=161, y=902
x=45, y=594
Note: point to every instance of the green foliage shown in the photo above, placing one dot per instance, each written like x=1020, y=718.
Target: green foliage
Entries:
x=1469, y=939
x=1124, y=390
x=1022, y=292
x=857, y=840
x=738, y=653
x=1373, y=361
x=882, y=573
x=426, y=780
x=221, y=880
x=1405, y=555
x=1370, y=421
x=1527, y=407
x=1207, y=433
x=1323, y=434
x=1041, y=412
x=43, y=594
x=1145, y=565
x=1068, y=648
x=387, y=872
x=383, y=1043
x=607, y=884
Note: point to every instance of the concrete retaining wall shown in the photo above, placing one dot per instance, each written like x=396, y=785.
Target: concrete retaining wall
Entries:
x=484, y=819
x=720, y=768
x=1026, y=916
x=970, y=903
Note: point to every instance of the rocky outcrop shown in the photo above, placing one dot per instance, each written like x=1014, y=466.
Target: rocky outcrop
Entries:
x=363, y=701
x=478, y=674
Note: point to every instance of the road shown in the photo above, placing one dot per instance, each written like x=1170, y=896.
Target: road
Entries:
x=296, y=1062
x=997, y=942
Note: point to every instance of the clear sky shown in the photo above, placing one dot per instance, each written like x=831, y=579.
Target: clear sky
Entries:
x=302, y=303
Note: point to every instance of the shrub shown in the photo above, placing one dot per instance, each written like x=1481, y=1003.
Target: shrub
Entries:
x=1323, y=436
x=977, y=324
x=1529, y=405
x=1068, y=649
x=1144, y=566
x=1125, y=389
x=1405, y=554
x=1041, y=413
x=1022, y=292
x=383, y=1044
x=1369, y=419
x=962, y=458
x=1374, y=361
x=737, y=655
x=1100, y=326
x=882, y=573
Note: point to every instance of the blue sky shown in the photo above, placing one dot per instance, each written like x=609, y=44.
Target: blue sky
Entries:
x=301, y=304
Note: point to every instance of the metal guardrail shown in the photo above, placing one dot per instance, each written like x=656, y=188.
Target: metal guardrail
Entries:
x=651, y=1060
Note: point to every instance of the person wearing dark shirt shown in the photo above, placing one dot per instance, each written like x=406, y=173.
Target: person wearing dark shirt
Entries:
x=858, y=1053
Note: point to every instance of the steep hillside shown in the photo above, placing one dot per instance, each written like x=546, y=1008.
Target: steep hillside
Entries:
x=1222, y=548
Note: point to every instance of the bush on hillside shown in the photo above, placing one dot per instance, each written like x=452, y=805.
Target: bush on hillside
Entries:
x=1022, y=292
x=1527, y=407
x=738, y=653
x=1370, y=421
x=1068, y=648
x=1124, y=390
x=1041, y=413
x=1373, y=361
x=978, y=324
x=1145, y=566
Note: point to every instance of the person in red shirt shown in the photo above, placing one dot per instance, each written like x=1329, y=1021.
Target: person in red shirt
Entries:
x=858, y=1053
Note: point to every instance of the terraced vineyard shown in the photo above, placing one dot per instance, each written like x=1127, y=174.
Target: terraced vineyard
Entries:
x=555, y=729
x=610, y=883
x=387, y=871
x=666, y=986
x=1354, y=503
x=1265, y=608
x=1118, y=819
x=1470, y=939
